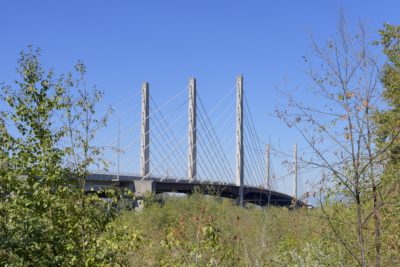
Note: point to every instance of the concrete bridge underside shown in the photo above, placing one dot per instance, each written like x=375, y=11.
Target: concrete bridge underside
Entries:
x=256, y=195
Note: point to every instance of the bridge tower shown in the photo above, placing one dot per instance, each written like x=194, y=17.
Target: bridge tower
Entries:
x=145, y=133
x=239, y=138
x=192, y=153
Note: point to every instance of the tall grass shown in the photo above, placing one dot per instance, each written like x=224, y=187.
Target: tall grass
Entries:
x=210, y=231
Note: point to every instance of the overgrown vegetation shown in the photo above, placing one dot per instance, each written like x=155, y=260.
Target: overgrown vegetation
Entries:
x=209, y=231
x=46, y=219
x=341, y=133
x=47, y=125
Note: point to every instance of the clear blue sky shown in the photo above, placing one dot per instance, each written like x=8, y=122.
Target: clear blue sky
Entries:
x=165, y=42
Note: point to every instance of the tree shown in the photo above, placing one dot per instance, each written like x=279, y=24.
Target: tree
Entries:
x=46, y=219
x=388, y=121
x=81, y=125
x=33, y=182
x=339, y=130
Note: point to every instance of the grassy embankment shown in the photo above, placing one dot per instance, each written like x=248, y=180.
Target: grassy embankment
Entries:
x=210, y=231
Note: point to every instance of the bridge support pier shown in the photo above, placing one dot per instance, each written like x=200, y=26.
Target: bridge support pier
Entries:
x=239, y=138
x=192, y=153
x=141, y=188
x=145, y=133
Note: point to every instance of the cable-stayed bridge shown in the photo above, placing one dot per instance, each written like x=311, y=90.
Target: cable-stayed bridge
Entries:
x=181, y=146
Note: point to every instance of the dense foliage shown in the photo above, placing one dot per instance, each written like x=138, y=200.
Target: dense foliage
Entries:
x=388, y=121
x=210, y=231
x=46, y=219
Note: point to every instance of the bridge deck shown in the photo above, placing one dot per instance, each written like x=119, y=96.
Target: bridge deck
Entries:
x=256, y=195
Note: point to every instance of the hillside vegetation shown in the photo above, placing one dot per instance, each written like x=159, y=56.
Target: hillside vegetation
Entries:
x=211, y=231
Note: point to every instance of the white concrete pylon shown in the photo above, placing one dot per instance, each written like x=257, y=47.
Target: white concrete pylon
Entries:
x=239, y=138
x=145, y=133
x=192, y=153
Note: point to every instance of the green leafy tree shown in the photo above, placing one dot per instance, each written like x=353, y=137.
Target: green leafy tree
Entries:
x=46, y=217
x=388, y=121
x=33, y=181
x=81, y=125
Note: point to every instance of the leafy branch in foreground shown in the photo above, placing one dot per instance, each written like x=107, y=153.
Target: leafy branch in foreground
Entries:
x=46, y=219
x=340, y=132
x=388, y=132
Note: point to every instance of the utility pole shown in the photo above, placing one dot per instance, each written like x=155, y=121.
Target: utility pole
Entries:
x=239, y=138
x=115, y=179
x=192, y=153
x=295, y=172
x=268, y=163
x=119, y=146
x=145, y=134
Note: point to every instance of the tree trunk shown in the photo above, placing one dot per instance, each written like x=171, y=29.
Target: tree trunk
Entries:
x=360, y=232
x=377, y=220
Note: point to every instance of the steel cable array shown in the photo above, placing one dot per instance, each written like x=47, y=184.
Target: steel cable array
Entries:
x=168, y=146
